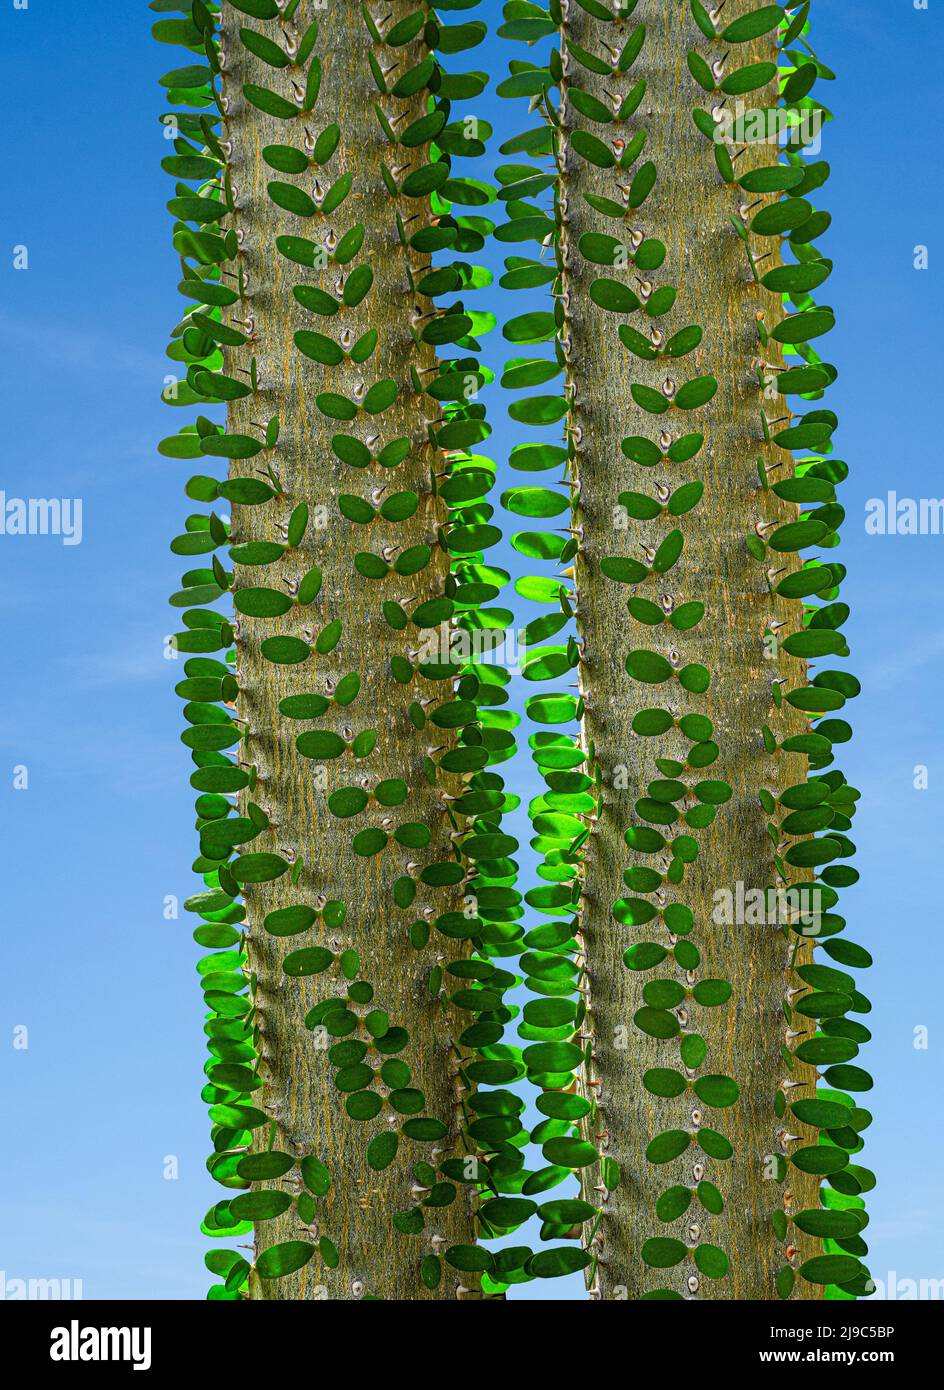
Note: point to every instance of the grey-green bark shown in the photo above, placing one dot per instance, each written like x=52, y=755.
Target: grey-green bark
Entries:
x=690, y=211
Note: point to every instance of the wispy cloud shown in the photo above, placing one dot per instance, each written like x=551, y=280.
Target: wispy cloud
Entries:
x=138, y=658
x=55, y=344
x=906, y=662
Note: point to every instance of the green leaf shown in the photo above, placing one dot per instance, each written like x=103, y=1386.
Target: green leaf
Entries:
x=796, y=535
x=645, y=611
x=716, y=1091
x=652, y=722
x=535, y=501
x=775, y=178
x=260, y=1206
x=663, y=1081
x=700, y=70
x=822, y=1114
x=820, y=1159
x=673, y=1203
x=404, y=29
x=261, y=603
x=357, y=285
x=320, y=743
x=269, y=102
x=283, y=1259
x=290, y=921
x=592, y=149
x=369, y=842
x=634, y=912
x=319, y=348
x=590, y=107
x=310, y=960
x=469, y=1258
x=662, y=1252
x=686, y=616
x=648, y=667
x=419, y=183
x=539, y=410
x=781, y=217
x=749, y=78
x=259, y=9
x=623, y=569
x=711, y=1261
x=570, y=1152
x=522, y=372
x=668, y=552
x=710, y=1198
x=835, y=1225
x=264, y=48
x=382, y=1150
x=657, y=1023
x=831, y=1269
x=642, y=184
x=751, y=26
x=336, y=407
x=641, y=451
x=536, y=327
x=800, y=328
x=710, y=994
x=683, y=342
x=613, y=295
x=258, y=868
x=649, y=399
x=685, y=447
x=786, y=279
x=315, y=1175
x=696, y=393
x=644, y=955
x=506, y=1212
x=285, y=158
x=714, y=1144
x=380, y=397
x=261, y=1167
x=846, y=1078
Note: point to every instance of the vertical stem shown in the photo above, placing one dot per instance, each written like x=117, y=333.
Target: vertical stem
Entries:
x=299, y=1087
x=689, y=210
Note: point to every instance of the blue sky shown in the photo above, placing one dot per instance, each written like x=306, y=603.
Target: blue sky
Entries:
x=108, y=1086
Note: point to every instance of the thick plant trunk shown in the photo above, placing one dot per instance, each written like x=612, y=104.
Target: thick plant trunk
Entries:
x=690, y=210
x=364, y=1003
x=373, y=1259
